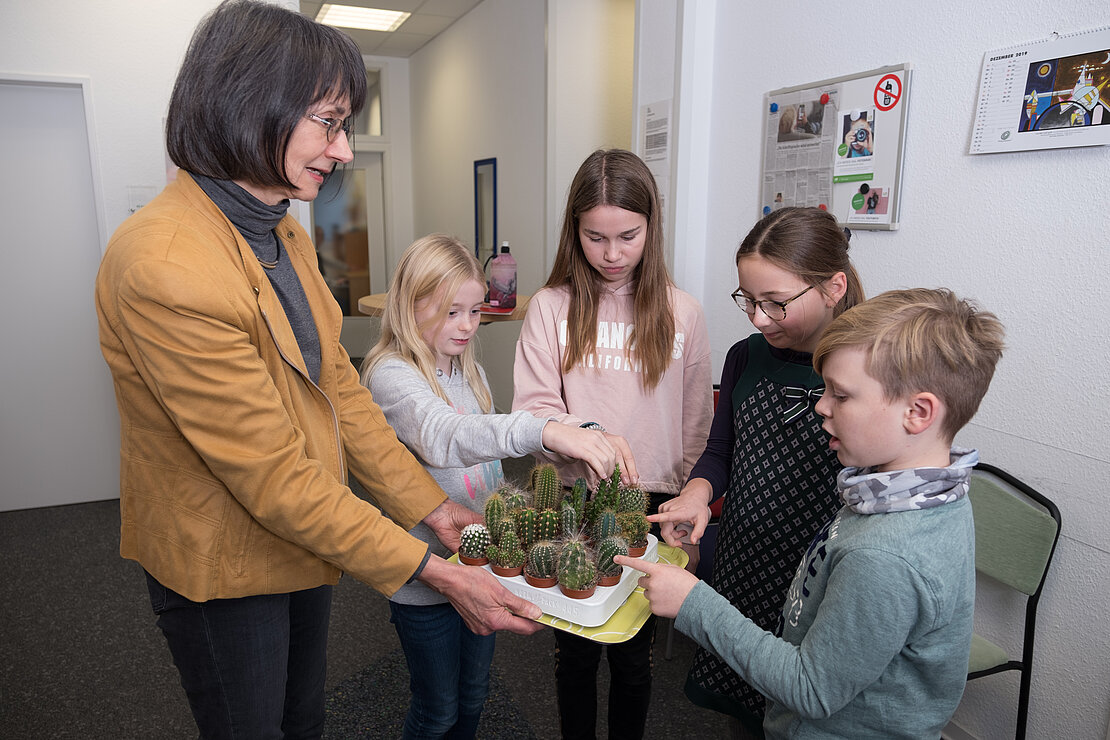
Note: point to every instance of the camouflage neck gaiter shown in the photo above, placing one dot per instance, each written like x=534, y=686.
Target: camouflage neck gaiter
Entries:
x=865, y=492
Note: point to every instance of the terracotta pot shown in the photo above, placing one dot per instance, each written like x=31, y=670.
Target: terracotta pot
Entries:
x=573, y=593
x=507, y=572
x=637, y=550
x=472, y=561
x=610, y=580
x=538, y=582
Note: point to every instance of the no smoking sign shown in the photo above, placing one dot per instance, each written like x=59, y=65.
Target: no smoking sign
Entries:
x=887, y=92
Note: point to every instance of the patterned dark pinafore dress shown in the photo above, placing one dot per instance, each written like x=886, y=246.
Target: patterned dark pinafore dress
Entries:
x=782, y=489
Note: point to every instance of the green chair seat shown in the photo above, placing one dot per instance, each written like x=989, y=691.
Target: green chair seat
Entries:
x=985, y=655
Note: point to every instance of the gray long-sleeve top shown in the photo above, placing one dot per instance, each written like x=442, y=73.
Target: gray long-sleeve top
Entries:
x=458, y=444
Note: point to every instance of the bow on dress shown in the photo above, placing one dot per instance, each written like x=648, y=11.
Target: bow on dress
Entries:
x=803, y=397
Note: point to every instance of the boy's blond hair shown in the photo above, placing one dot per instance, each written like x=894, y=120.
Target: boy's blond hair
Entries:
x=922, y=340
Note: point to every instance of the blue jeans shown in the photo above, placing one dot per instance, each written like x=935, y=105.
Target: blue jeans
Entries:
x=252, y=667
x=448, y=670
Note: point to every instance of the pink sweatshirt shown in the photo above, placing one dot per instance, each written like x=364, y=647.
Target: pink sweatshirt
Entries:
x=665, y=427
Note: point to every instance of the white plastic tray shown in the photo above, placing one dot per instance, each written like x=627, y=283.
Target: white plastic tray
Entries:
x=590, y=612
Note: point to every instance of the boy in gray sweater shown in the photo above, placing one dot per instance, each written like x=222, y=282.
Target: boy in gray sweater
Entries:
x=874, y=634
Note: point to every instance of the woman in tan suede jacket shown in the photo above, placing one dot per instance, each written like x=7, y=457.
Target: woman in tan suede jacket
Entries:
x=241, y=415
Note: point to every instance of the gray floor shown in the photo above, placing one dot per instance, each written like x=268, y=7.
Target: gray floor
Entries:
x=80, y=656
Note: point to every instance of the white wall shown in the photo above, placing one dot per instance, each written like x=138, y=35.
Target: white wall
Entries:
x=589, y=93
x=1025, y=234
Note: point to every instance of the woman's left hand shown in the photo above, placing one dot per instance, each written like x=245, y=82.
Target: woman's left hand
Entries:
x=447, y=521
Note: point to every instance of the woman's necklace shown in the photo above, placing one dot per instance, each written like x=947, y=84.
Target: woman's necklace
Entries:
x=277, y=256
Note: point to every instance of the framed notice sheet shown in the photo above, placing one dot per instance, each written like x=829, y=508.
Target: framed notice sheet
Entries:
x=1045, y=94
x=838, y=144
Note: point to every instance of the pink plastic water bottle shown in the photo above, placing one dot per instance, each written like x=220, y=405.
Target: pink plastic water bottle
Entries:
x=502, y=279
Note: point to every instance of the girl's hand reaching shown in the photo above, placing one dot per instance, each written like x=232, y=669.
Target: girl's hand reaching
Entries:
x=600, y=450
x=684, y=518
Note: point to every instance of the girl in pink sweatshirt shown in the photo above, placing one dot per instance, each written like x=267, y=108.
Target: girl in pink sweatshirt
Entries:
x=610, y=341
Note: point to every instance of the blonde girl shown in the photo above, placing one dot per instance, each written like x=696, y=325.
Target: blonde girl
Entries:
x=424, y=375
x=767, y=454
x=610, y=341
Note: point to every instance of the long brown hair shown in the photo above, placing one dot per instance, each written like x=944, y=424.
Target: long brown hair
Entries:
x=808, y=243
x=616, y=177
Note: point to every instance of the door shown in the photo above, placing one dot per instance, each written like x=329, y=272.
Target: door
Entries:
x=59, y=429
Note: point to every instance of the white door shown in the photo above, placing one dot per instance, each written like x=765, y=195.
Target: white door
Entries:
x=59, y=429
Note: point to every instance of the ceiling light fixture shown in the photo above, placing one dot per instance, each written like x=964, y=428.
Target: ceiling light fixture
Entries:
x=371, y=19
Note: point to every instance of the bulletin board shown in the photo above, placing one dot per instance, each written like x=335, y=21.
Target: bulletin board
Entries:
x=838, y=144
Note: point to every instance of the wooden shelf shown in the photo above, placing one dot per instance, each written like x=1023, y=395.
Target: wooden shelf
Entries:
x=374, y=305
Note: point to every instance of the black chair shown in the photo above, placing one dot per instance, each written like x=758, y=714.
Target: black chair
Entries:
x=1016, y=529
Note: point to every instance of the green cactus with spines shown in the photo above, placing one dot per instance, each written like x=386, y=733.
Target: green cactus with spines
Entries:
x=474, y=540
x=634, y=526
x=605, y=525
x=508, y=554
x=570, y=521
x=633, y=498
x=547, y=486
x=543, y=559
x=497, y=532
x=608, y=549
x=515, y=499
x=577, y=568
x=608, y=495
x=580, y=489
x=526, y=526
x=547, y=525
x=494, y=511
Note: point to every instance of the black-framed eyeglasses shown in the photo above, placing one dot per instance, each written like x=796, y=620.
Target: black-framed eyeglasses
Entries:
x=774, y=310
x=333, y=125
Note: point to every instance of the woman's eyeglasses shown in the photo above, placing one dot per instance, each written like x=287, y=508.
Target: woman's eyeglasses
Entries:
x=333, y=125
x=774, y=310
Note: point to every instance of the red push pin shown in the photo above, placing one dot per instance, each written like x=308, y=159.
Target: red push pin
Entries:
x=822, y=207
x=824, y=98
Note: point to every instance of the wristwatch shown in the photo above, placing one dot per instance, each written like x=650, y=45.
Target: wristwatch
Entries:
x=592, y=425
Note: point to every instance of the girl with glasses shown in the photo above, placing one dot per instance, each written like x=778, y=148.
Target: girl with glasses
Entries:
x=767, y=454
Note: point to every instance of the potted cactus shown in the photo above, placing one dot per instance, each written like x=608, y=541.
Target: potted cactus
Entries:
x=541, y=567
x=609, y=573
x=494, y=511
x=507, y=557
x=577, y=570
x=473, y=543
x=635, y=527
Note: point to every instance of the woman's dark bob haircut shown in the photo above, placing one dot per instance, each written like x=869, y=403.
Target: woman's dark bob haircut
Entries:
x=250, y=75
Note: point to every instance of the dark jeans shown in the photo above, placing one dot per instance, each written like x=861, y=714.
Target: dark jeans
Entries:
x=630, y=664
x=448, y=671
x=252, y=667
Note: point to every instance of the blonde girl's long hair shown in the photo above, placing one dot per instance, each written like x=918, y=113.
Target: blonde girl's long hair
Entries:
x=809, y=243
x=436, y=262
x=616, y=177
